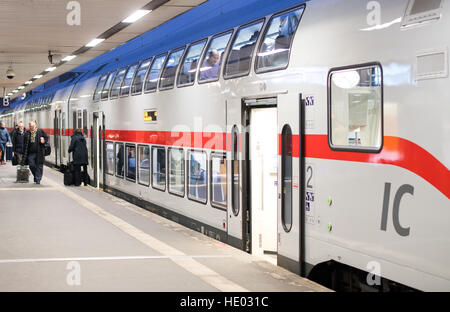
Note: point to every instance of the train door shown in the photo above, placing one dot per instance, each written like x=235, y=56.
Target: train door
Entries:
x=237, y=223
x=262, y=168
x=97, y=145
x=57, y=137
x=290, y=183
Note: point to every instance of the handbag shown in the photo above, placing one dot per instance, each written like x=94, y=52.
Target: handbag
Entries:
x=47, y=149
x=14, y=160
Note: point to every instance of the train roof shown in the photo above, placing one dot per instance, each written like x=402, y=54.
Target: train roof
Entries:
x=211, y=17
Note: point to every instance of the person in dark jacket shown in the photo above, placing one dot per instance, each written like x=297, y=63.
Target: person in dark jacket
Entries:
x=34, y=153
x=4, y=138
x=18, y=141
x=80, y=157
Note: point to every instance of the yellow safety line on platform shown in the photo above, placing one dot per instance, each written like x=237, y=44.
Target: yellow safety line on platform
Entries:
x=203, y=272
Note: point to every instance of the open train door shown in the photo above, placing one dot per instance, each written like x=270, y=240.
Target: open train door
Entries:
x=290, y=183
x=237, y=224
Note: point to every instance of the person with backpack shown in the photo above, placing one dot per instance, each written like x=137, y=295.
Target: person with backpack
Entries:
x=18, y=141
x=34, y=153
x=4, y=138
x=80, y=157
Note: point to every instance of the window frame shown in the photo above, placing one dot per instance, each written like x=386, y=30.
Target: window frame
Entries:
x=357, y=149
x=150, y=59
x=159, y=74
x=198, y=65
x=266, y=29
x=264, y=23
x=176, y=72
x=115, y=159
x=235, y=154
x=283, y=215
x=189, y=151
x=138, y=173
x=110, y=89
x=96, y=88
x=123, y=81
x=152, y=162
x=169, y=149
x=213, y=203
x=114, y=73
x=205, y=51
x=126, y=158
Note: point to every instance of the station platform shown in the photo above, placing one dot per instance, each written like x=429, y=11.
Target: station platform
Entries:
x=65, y=238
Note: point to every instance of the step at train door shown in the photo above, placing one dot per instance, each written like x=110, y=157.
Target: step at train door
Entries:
x=290, y=183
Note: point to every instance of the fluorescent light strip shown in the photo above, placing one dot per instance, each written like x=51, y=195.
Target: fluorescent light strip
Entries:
x=50, y=69
x=28, y=82
x=68, y=58
x=136, y=16
x=20, y=88
x=37, y=77
x=94, y=42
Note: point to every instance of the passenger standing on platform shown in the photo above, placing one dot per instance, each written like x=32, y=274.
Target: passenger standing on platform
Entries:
x=4, y=138
x=18, y=141
x=80, y=157
x=34, y=154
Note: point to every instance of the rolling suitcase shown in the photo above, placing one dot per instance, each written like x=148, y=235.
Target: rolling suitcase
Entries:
x=68, y=177
x=9, y=152
x=23, y=174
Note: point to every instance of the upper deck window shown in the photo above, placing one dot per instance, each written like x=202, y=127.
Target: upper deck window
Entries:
x=168, y=76
x=355, y=108
x=138, y=81
x=209, y=70
x=274, y=51
x=125, y=89
x=114, y=93
x=190, y=64
x=153, y=74
x=99, y=88
x=240, y=56
x=107, y=85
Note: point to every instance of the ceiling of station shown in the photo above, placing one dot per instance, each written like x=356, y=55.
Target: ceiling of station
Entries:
x=31, y=28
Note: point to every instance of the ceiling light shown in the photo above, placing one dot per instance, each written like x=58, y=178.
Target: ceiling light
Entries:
x=20, y=88
x=136, y=16
x=15, y=91
x=50, y=69
x=37, y=76
x=10, y=93
x=94, y=42
x=68, y=58
x=28, y=82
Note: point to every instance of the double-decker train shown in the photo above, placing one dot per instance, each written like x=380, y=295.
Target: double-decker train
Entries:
x=313, y=133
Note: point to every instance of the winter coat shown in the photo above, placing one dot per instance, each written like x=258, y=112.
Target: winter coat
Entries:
x=18, y=141
x=4, y=136
x=40, y=147
x=79, y=149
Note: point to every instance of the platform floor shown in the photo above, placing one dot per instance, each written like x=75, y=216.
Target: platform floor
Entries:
x=58, y=238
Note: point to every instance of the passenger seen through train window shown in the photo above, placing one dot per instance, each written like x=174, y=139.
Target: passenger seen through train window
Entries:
x=274, y=51
x=209, y=69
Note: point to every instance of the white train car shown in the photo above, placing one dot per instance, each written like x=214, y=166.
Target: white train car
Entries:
x=319, y=138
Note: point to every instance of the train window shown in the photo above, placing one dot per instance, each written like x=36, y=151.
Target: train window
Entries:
x=355, y=108
x=210, y=65
x=168, y=75
x=197, y=176
x=115, y=88
x=138, y=81
x=188, y=70
x=240, y=56
x=153, y=74
x=120, y=156
x=144, y=165
x=99, y=87
x=286, y=178
x=274, y=50
x=125, y=89
x=218, y=181
x=235, y=175
x=176, y=171
x=107, y=86
x=131, y=162
x=159, y=168
x=110, y=158
x=85, y=122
